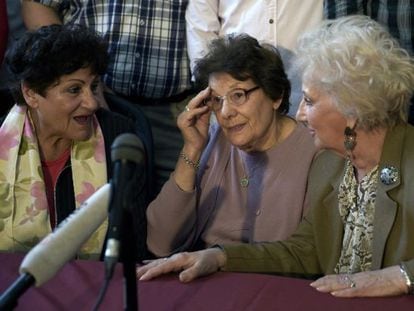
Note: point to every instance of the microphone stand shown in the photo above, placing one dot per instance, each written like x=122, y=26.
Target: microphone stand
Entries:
x=128, y=245
x=128, y=156
x=8, y=300
x=133, y=239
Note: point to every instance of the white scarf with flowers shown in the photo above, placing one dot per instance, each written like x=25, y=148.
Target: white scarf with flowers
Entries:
x=24, y=216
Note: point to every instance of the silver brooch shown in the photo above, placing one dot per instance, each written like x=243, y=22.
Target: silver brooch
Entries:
x=389, y=175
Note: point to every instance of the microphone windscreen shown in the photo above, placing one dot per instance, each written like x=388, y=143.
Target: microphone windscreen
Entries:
x=60, y=246
x=129, y=147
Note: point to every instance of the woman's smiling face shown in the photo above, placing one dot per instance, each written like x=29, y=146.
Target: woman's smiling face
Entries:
x=252, y=125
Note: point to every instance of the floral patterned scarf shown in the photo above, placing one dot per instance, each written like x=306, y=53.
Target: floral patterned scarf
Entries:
x=24, y=216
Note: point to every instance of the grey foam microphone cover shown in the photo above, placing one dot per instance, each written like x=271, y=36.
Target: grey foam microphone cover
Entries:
x=60, y=246
x=127, y=147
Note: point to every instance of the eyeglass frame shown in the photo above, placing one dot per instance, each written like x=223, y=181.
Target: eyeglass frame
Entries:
x=246, y=95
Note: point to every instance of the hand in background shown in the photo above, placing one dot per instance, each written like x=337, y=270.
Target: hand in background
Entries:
x=192, y=265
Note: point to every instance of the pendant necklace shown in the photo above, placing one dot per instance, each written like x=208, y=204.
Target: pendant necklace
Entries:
x=255, y=161
x=244, y=180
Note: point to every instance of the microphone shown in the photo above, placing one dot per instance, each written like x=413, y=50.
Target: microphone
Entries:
x=128, y=154
x=60, y=246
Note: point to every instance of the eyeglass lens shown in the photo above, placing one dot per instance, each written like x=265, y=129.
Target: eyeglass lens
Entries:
x=236, y=97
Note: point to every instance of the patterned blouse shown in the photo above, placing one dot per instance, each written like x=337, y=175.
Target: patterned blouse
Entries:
x=357, y=209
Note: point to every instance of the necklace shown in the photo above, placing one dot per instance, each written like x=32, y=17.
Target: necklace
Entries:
x=244, y=180
x=256, y=161
x=253, y=162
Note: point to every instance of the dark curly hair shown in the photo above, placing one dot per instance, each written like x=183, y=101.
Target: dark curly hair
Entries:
x=39, y=58
x=242, y=57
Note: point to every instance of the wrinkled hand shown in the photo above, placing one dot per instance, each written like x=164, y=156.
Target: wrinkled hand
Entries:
x=192, y=265
x=194, y=121
x=379, y=283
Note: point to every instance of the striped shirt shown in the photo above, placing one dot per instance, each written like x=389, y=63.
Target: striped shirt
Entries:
x=147, y=42
x=396, y=15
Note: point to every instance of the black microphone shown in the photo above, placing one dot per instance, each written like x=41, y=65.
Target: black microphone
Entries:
x=128, y=156
x=59, y=247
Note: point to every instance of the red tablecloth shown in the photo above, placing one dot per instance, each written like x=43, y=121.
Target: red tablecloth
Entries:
x=77, y=285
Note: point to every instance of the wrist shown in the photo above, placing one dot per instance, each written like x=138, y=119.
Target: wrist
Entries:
x=409, y=282
x=195, y=164
x=221, y=256
x=193, y=152
x=190, y=157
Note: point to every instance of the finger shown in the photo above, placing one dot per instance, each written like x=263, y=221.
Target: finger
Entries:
x=206, y=263
x=197, y=101
x=148, y=264
x=166, y=265
x=367, y=291
x=192, y=272
x=332, y=283
x=191, y=113
x=157, y=270
x=191, y=117
x=346, y=293
x=323, y=281
x=188, y=275
x=140, y=271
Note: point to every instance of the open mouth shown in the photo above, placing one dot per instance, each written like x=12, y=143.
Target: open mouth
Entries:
x=311, y=131
x=236, y=128
x=82, y=119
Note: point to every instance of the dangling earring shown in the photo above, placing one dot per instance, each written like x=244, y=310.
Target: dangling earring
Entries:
x=350, y=138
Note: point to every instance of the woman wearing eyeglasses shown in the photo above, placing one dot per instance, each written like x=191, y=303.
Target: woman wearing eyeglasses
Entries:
x=242, y=178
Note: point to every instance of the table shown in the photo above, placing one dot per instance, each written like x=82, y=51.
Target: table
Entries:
x=77, y=285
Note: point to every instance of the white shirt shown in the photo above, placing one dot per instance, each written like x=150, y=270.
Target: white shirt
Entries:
x=278, y=22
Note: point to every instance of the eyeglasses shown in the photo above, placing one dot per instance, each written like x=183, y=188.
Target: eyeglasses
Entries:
x=236, y=97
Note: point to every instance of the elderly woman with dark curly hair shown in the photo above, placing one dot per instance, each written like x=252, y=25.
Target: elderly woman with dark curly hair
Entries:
x=357, y=85
x=242, y=178
x=55, y=142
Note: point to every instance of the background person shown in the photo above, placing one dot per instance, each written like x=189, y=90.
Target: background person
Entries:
x=250, y=182
x=275, y=22
x=357, y=83
x=15, y=29
x=395, y=15
x=148, y=63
